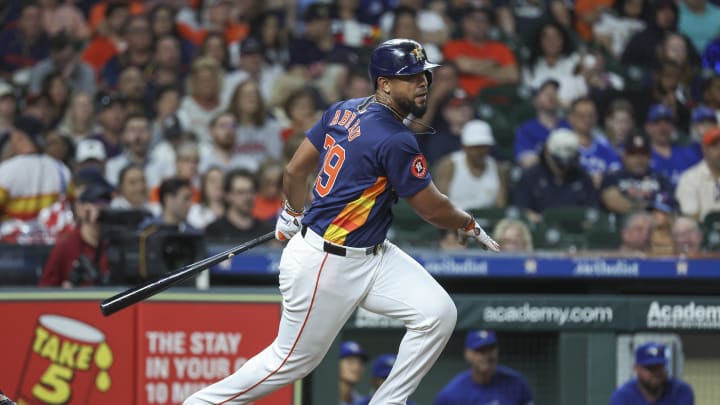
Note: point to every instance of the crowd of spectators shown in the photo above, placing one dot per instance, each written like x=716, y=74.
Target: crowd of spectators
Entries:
x=189, y=108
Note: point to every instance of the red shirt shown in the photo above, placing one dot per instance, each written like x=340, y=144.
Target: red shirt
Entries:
x=489, y=50
x=67, y=249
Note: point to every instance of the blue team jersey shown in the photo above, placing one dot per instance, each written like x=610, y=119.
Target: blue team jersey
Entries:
x=676, y=392
x=599, y=157
x=507, y=387
x=680, y=159
x=531, y=136
x=368, y=159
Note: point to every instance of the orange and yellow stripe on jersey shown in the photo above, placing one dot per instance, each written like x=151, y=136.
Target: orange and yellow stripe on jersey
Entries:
x=355, y=213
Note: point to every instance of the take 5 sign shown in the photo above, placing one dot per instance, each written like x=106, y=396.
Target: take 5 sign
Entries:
x=63, y=351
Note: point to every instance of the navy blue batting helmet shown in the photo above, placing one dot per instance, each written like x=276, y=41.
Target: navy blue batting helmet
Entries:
x=399, y=57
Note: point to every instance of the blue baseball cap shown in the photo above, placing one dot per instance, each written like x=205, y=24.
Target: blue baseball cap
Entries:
x=350, y=348
x=659, y=112
x=703, y=113
x=650, y=354
x=480, y=338
x=382, y=365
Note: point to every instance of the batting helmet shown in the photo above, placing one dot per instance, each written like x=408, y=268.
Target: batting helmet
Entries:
x=399, y=57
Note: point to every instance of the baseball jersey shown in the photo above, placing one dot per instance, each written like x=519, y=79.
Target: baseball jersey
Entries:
x=599, y=157
x=507, y=387
x=645, y=187
x=676, y=392
x=368, y=159
x=672, y=167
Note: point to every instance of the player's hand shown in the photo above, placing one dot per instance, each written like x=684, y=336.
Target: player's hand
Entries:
x=474, y=230
x=288, y=224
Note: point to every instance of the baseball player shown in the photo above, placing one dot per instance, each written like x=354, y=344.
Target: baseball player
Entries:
x=485, y=382
x=337, y=258
x=652, y=384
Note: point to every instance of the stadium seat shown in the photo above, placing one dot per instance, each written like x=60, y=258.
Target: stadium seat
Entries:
x=602, y=239
x=502, y=128
x=567, y=219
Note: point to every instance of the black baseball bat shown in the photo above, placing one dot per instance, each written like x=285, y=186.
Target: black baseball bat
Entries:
x=138, y=293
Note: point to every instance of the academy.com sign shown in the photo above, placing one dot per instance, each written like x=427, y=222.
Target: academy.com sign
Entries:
x=548, y=314
x=683, y=316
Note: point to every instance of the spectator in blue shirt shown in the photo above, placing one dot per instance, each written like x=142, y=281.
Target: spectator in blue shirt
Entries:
x=381, y=368
x=350, y=370
x=597, y=156
x=667, y=158
x=530, y=137
x=25, y=44
x=702, y=119
x=652, y=385
x=486, y=382
x=558, y=180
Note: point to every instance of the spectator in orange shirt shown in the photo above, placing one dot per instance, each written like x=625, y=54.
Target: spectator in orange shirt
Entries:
x=99, y=12
x=482, y=62
x=588, y=12
x=104, y=46
x=268, y=198
x=219, y=18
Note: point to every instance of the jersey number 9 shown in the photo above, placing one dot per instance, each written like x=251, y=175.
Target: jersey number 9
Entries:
x=334, y=159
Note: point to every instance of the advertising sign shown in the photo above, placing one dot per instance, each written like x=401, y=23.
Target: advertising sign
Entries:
x=65, y=352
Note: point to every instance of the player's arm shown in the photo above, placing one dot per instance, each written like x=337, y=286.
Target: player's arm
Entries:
x=443, y=174
x=301, y=166
x=295, y=179
x=434, y=207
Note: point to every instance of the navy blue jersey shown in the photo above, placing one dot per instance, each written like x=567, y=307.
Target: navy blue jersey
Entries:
x=367, y=159
x=676, y=392
x=680, y=159
x=507, y=387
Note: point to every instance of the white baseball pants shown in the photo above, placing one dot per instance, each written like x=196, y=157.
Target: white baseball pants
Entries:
x=320, y=292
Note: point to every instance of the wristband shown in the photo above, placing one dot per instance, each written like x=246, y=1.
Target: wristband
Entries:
x=470, y=225
x=290, y=210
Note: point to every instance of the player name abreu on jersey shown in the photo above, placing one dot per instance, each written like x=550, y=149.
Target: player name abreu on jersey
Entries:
x=347, y=119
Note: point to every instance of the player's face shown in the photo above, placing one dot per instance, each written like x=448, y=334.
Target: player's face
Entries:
x=351, y=369
x=483, y=360
x=410, y=93
x=651, y=378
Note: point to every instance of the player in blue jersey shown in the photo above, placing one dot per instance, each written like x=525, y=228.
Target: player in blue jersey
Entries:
x=338, y=258
x=486, y=382
x=381, y=368
x=652, y=385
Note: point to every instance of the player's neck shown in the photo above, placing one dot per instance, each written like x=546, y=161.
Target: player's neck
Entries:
x=387, y=102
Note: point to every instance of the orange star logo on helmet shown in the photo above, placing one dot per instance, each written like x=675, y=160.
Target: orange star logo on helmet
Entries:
x=419, y=54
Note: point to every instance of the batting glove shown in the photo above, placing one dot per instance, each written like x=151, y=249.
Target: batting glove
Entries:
x=288, y=223
x=474, y=230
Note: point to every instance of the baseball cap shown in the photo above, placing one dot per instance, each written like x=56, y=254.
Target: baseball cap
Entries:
x=90, y=149
x=6, y=89
x=106, y=99
x=317, y=11
x=563, y=144
x=457, y=98
x=476, y=133
x=703, y=113
x=251, y=45
x=33, y=128
x=636, y=144
x=659, y=112
x=95, y=192
x=382, y=365
x=480, y=338
x=88, y=175
x=711, y=136
x=545, y=83
x=650, y=354
x=350, y=348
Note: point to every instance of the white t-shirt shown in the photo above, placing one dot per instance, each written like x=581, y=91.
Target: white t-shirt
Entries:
x=468, y=191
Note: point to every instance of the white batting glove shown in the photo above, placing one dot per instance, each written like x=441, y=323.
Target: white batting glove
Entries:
x=475, y=231
x=288, y=223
